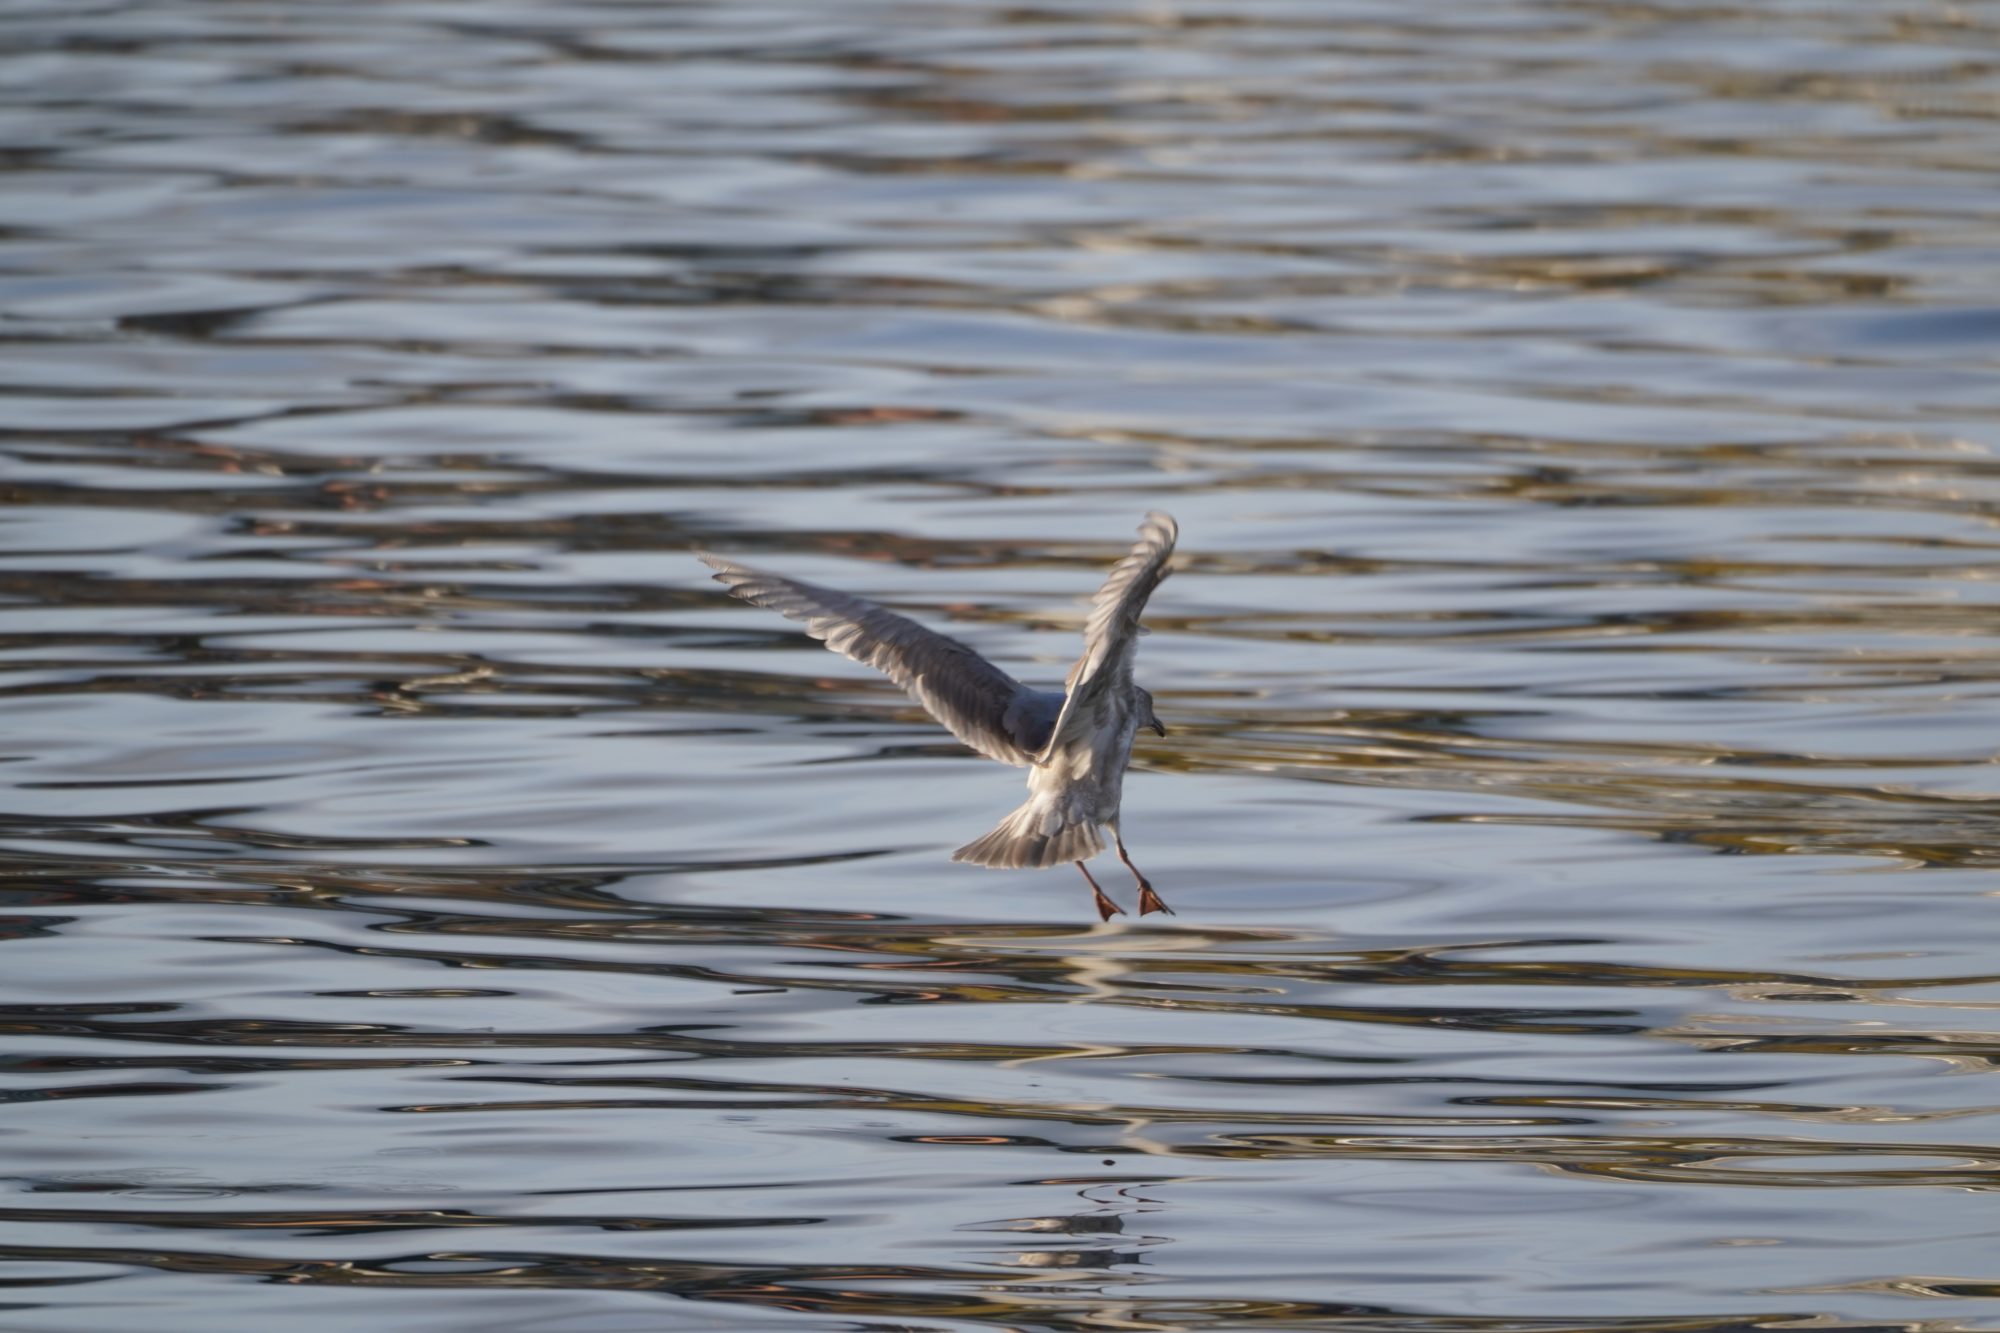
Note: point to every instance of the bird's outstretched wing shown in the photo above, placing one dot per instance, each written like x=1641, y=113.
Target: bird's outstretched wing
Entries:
x=1112, y=635
x=976, y=701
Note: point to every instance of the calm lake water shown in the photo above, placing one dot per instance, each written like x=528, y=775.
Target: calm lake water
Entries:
x=432, y=905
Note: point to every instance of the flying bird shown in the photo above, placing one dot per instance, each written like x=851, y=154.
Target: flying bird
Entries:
x=1075, y=744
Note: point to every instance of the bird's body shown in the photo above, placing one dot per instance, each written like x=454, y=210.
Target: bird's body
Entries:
x=1076, y=744
x=1071, y=794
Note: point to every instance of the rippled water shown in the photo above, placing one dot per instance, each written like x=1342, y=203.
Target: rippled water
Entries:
x=433, y=905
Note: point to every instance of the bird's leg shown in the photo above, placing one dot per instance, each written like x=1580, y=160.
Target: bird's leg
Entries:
x=1105, y=907
x=1148, y=900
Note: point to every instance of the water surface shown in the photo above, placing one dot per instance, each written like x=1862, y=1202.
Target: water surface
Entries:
x=432, y=905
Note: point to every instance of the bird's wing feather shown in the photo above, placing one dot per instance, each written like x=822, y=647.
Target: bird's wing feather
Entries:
x=1112, y=635
x=976, y=701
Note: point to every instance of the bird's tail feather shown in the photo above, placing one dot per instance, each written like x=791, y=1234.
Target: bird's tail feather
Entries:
x=1034, y=837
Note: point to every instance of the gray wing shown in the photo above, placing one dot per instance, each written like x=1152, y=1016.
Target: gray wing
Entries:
x=1111, y=638
x=976, y=701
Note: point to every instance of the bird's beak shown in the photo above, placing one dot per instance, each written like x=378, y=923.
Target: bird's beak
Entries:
x=1158, y=726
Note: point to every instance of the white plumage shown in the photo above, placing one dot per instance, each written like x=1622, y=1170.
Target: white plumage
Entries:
x=1076, y=744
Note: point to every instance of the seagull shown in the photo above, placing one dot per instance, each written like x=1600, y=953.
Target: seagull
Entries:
x=1075, y=745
